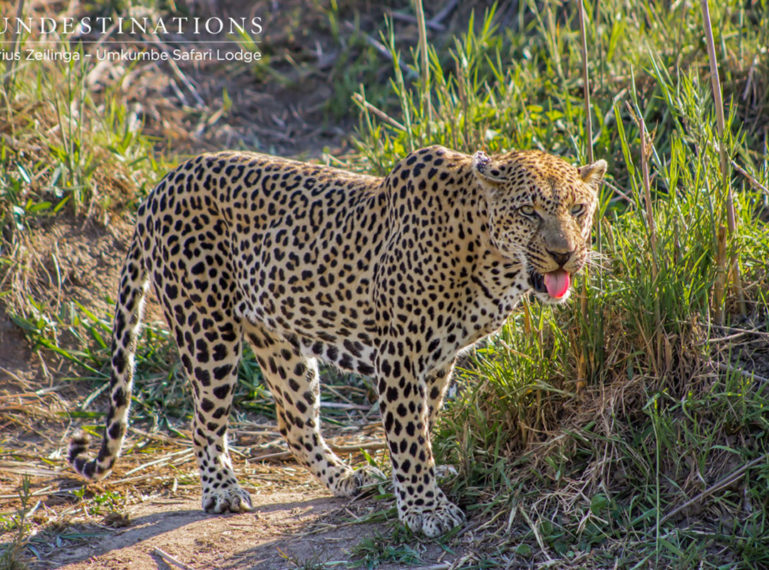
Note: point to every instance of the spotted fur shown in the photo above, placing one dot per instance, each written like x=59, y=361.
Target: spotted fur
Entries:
x=388, y=277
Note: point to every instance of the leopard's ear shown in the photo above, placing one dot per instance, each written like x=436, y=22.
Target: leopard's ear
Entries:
x=592, y=174
x=485, y=170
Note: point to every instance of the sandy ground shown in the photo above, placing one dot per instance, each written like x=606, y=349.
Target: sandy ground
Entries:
x=286, y=529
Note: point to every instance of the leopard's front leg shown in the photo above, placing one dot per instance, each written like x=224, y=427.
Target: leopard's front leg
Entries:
x=403, y=401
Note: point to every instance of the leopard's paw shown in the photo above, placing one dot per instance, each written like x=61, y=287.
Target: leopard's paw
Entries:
x=227, y=499
x=353, y=482
x=434, y=520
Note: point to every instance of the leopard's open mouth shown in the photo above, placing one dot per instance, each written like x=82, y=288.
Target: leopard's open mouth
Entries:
x=555, y=284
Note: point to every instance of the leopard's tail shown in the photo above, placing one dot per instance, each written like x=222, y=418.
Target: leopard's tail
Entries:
x=134, y=282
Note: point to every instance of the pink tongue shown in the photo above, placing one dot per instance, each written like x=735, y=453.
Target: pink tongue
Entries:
x=557, y=283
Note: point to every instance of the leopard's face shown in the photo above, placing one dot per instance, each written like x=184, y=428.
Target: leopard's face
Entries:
x=540, y=213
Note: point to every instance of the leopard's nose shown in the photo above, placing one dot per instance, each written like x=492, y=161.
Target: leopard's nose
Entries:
x=561, y=258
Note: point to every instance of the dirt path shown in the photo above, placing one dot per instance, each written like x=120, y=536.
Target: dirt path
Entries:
x=147, y=514
x=285, y=529
x=296, y=523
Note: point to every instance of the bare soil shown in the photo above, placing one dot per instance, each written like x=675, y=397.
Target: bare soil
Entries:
x=285, y=526
x=157, y=521
x=289, y=527
x=147, y=514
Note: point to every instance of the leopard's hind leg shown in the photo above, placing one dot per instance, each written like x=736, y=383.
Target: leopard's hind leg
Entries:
x=197, y=294
x=209, y=344
x=295, y=386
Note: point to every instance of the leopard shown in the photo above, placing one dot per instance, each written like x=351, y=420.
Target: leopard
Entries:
x=388, y=277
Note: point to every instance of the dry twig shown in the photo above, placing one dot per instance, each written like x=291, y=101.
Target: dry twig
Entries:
x=360, y=100
x=170, y=559
x=281, y=455
x=729, y=479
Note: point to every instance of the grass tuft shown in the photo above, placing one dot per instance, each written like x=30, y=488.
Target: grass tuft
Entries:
x=12, y=555
x=378, y=549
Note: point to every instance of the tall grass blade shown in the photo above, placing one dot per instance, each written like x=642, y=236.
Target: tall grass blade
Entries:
x=726, y=187
x=424, y=64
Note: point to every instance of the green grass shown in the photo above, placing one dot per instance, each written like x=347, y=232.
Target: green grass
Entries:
x=623, y=427
x=628, y=427
x=12, y=555
x=63, y=147
x=378, y=549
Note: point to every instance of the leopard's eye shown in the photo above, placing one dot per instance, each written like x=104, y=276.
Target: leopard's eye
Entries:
x=528, y=211
x=578, y=210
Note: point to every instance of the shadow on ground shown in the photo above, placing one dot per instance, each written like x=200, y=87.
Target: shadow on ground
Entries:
x=276, y=530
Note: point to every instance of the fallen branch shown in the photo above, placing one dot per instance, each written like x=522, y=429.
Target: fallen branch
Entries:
x=282, y=455
x=376, y=44
x=741, y=372
x=170, y=559
x=731, y=478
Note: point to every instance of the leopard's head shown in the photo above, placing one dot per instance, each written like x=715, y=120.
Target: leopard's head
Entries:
x=540, y=212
